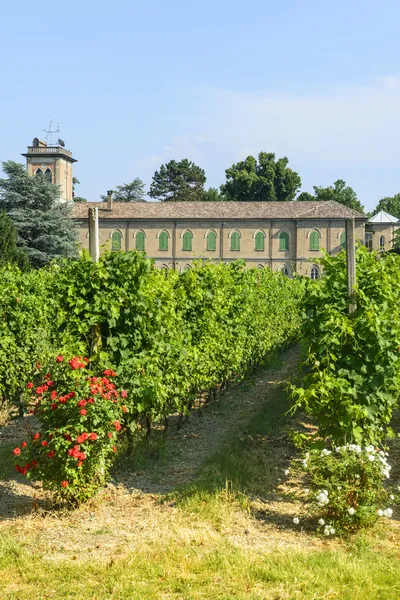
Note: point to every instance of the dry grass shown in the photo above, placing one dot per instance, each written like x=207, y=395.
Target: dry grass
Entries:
x=208, y=539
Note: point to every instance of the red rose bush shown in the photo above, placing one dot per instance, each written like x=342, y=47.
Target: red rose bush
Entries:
x=79, y=414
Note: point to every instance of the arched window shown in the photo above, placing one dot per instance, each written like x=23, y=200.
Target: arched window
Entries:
x=235, y=241
x=343, y=239
x=116, y=241
x=187, y=241
x=163, y=241
x=382, y=242
x=211, y=241
x=38, y=172
x=314, y=274
x=49, y=175
x=314, y=240
x=285, y=271
x=283, y=241
x=260, y=241
x=140, y=241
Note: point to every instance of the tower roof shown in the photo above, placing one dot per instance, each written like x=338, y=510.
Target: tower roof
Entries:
x=383, y=217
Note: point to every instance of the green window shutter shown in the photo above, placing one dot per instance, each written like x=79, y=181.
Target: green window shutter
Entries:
x=187, y=241
x=314, y=240
x=343, y=239
x=235, y=241
x=260, y=241
x=116, y=241
x=163, y=241
x=140, y=240
x=212, y=241
x=283, y=241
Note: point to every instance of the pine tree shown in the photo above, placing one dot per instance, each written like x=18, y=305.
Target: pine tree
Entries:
x=10, y=252
x=44, y=225
x=178, y=182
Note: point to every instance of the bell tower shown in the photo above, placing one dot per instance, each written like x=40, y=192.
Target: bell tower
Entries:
x=54, y=162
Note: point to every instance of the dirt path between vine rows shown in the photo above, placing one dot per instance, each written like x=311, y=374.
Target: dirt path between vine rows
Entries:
x=209, y=428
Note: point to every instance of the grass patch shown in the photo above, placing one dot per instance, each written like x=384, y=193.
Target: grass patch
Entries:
x=195, y=572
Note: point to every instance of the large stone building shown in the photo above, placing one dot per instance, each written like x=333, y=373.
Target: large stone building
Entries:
x=284, y=236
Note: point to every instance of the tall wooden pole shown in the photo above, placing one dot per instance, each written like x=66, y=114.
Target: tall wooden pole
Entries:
x=94, y=253
x=94, y=233
x=351, y=264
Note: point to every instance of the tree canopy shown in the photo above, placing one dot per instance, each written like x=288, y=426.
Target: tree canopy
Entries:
x=129, y=192
x=43, y=224
x=178, y=181
x=261, y=181
x=213, y=195
x=390, y=204
x=10, y=252
x=339, y=192
x=76, y=182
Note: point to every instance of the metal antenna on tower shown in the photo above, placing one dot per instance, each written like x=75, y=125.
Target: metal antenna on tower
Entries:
x=50, y=132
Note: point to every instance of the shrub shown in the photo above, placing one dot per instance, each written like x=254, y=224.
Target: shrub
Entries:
x=346, y=487
x=80, y=417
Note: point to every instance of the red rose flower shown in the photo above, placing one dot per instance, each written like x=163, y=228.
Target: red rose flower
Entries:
x=82, y=438
x=45, y=388
x=124, y=394
x=39, y=390
x=83, y=411
x=107, y=372
x=117, y=425
x=50, y=454
x=45, y=443
x=34, y=464
x=109, y=435
x=29, y=385
x=91, y=400
x=124, y=409
x=64, y=484
x=62, y=399
x=53, y=395
x=54, y=406
x=59, y=358
x=82, y=403
x=38, y=365
x=114, y=448
x=36, y=436
x=17, y=451
x=79, y=463
x=24, y=445
x=93, y=436
x=71, y=395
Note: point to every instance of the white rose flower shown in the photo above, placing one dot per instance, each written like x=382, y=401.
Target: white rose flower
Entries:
x=388, y=512
x=296, y=521
x=286, y=471
x=380, y=513
x=321, y=522
x=325, y=452
x=391, y=497
x=351, y=511
x=371, y=457
x=356, y=476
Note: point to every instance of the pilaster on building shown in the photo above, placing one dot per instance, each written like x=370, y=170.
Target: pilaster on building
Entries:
x=53, y=162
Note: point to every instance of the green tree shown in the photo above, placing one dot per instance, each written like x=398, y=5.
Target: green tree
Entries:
x=305, y=197
x=43, y=224
x=129, y=192
x=10, y=252
x=75, y=182
x=213, y=195
x=178, y=181
x=390, y=204
x=264, y=180
x=339, y=192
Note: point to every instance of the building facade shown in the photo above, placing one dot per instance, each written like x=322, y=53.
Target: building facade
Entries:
x=380, y=231
x=54, y=162
x=284, y=236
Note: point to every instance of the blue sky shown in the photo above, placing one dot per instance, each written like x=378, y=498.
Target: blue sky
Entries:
x=133, y=85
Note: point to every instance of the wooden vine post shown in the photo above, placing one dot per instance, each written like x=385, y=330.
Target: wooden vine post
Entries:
x=351, y=264
x=93, y=217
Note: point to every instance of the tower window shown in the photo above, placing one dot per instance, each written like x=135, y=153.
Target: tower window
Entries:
x=49, y=175
x=38, y=172
x=368, y=240
x=382, y=242
x=116, y=241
